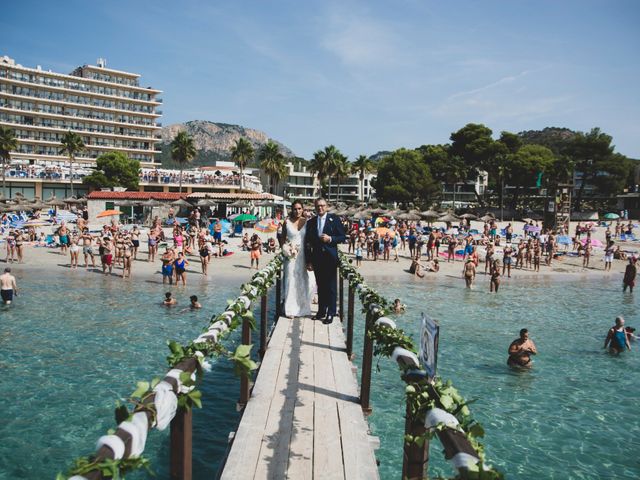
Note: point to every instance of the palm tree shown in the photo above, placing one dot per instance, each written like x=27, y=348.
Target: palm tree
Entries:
x=182, y=152
x=362, y=165
x=8, y=143
x=241, y=153
x=272, y=163
x=317, y=166
x=72, y=144
x=342, y=171
x=324, y=164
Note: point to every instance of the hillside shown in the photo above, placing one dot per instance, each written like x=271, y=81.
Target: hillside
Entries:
x=213, y=140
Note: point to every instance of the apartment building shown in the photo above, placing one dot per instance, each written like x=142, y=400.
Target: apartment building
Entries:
x=108, y=108
x=301, y=184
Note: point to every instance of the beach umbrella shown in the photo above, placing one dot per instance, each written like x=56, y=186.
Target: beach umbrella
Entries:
x=125, y=203
x=109, y=213
x=487, y=218
x=469, y=216
x=378, y=211
x=266, y=226
x=72, y=200
x=226, y=226
x=449, y=217
x=181, y=203
x=382, y=231
x=54, y=202
x=151, y=203
x=205, y=202
x=612, y=216
x=430, y=214
x=245, y=217
x=17, y=208
x=240, y=204
x=410, y=216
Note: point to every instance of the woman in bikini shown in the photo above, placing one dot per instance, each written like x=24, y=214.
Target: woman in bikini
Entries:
x=153, y=246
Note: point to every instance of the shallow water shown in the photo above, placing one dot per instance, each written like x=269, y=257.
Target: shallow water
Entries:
x=574, y=415
x=70, y=350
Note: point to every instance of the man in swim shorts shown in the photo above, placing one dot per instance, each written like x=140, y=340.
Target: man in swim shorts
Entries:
x=167, y=266
x=8, y=286
x=107, y=255
x=520, y=351
x=617, y=339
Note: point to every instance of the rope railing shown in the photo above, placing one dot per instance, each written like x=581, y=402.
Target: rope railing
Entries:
x=433, y=407
x=169, y=401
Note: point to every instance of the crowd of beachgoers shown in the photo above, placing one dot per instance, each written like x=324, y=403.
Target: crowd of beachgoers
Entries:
x=464, y=248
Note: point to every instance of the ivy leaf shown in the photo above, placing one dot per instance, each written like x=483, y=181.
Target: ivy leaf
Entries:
x=447, y=402
x=196, y=398
x=142, y=388
x=476, y=430
x=175, y=348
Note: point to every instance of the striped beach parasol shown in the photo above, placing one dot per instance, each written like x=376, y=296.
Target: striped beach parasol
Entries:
x=266, y=226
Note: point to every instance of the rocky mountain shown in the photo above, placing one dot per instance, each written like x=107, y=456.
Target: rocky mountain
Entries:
x=213, y=140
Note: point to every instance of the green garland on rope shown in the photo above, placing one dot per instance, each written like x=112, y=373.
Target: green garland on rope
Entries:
x=258, y=286
x=386, y=339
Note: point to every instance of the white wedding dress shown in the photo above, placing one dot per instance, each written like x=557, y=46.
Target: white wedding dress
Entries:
x=299, y=283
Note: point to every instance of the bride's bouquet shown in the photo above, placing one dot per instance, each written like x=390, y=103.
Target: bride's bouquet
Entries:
x=290, y=250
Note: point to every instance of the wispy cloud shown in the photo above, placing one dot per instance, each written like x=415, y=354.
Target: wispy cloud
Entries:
x=504, y=80
x=361, y=41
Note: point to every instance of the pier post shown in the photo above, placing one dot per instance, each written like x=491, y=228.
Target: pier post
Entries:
x=181, y=445
x=263, y=325
x=415, y=457
x=244, y=380
x=350, y=308
x=367, y=361
x=341, y=294
x=278, y=294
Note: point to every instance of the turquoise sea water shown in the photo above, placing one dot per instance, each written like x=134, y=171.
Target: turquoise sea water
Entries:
x=574, y=415
x=74, y=343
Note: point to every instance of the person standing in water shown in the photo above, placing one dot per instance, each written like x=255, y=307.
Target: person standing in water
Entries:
x=520, y=350
x=8, y=286
x=630, y=273
x=617, y=339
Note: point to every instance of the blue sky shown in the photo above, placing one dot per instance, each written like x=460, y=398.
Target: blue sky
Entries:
x=363, y=75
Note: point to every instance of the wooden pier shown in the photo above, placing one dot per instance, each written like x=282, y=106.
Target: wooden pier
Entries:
x=303, y=419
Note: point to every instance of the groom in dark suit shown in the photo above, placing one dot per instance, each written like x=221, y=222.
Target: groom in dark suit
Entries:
x=324, y=233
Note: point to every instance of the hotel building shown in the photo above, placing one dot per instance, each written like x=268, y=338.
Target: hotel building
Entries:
x=107, y=108
x=301, y=184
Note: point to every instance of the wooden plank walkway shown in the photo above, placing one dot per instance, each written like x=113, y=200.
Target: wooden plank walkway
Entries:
x=303, y=420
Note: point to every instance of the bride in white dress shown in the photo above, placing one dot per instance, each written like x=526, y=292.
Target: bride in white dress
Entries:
x=299, y=283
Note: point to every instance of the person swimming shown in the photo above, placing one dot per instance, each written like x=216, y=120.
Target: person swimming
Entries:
x=169, y=300
x=398, y=307
x=194, y=302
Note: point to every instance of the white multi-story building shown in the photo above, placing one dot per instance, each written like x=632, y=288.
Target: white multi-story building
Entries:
x=107, y=108
x=301, y=184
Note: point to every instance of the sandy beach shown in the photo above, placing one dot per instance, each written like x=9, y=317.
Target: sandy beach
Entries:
x=236, y=267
